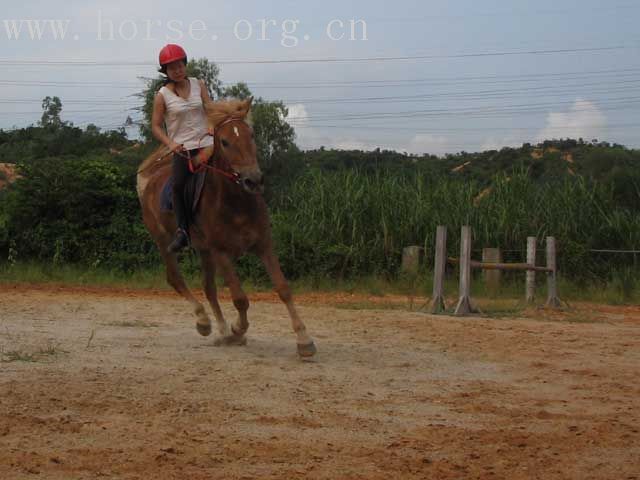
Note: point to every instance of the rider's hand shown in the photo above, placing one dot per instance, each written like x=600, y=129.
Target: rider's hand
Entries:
x=210, y=131
x=196, y=160
x=176, y=147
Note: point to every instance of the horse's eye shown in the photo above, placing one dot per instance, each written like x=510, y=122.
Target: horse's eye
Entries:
x=225, y=144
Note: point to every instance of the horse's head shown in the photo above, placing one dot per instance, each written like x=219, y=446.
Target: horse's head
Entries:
x=234, y=141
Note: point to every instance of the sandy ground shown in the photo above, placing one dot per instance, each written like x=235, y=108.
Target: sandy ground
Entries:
x=117, y=384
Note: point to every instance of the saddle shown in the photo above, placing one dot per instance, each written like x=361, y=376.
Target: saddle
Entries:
x=192, y=193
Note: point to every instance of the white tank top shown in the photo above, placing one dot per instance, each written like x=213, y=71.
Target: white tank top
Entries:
x=185, y=118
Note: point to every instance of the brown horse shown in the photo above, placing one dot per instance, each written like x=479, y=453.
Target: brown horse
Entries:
x=231, y=220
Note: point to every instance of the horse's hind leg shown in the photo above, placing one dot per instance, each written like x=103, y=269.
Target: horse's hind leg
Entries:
x=174, y=278
x=227, y=337
x=306, y=346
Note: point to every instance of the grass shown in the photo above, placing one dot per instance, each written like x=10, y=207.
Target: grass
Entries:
x=73, y=275
x=17, y=356
x=370, y=306
x=30, y=355
x=131, y=324
x=622, y=289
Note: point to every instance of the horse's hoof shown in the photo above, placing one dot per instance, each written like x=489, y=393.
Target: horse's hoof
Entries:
x=308, y=350
x=204, y=329
x=230, y=340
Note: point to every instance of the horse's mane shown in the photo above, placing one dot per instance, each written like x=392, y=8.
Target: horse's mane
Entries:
x=223, y=109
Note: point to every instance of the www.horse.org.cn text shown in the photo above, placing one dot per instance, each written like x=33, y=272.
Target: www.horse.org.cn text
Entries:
x=288, y=32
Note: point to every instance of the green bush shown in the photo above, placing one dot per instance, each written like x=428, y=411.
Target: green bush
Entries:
x=334, y=214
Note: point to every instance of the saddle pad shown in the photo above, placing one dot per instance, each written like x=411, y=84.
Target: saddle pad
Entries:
x=192, y=192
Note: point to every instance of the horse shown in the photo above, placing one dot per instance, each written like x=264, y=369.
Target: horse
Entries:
x=231, y=219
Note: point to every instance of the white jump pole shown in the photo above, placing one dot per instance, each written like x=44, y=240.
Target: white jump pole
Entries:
x=552, y=286
x=530, y=288
x=465, y=305
x=437, y=303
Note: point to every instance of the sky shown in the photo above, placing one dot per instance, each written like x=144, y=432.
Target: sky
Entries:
x=416, y=76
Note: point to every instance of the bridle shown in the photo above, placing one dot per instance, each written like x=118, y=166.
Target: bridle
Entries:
x=224, y=168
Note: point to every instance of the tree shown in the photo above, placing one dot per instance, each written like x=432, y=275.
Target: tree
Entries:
x=209, y=73
x=272, y=132
x=51, y=109
x=92, y=130
x=240, y=91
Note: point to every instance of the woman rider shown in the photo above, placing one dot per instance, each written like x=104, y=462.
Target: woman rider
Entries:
x=179, y=105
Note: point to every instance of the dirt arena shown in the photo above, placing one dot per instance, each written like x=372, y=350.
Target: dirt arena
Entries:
x=117, y=384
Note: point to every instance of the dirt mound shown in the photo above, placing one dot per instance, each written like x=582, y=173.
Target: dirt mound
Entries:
x=7, y=174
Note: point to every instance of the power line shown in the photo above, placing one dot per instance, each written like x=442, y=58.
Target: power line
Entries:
x=63, y=112
x=80, y=125
x=516, y=108
x=533, y=77
x=571, y=11
x=66, y=102
x=120, y=63
x=448, y=80
x=615, y=251
x=612, y=86
x=455, y=130
x=471, y=95
x=466, y=95
x=359, y=84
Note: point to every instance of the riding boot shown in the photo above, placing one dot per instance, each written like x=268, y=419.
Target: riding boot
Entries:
x=181, y=238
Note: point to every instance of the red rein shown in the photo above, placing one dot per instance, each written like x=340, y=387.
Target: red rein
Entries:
x=229, y=173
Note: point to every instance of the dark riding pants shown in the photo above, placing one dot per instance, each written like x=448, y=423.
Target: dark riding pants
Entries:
x=181, y=174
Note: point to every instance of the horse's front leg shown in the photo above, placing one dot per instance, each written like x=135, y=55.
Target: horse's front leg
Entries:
x=240, y=300
x=209, y=286
x=306, y=346
x=175, y=279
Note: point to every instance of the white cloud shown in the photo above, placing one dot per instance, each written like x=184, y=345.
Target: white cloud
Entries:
x=584, y=119
x=309, y=137
x=297, y=113
x=427, y=143
x=354, y=144
x=493, y=143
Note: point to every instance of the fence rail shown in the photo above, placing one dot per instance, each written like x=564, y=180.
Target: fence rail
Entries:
x=465, y=303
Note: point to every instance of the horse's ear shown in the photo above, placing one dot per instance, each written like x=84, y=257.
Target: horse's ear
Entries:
x=246, y=106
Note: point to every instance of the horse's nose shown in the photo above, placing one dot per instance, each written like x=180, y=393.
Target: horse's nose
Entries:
x=254, y=182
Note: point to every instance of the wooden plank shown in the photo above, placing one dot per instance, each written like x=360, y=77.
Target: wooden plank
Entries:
x=411, y=259
x=502, y=266
x=492, y=276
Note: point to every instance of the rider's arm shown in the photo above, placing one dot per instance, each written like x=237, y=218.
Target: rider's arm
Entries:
x=157, y=119
x=204, y=94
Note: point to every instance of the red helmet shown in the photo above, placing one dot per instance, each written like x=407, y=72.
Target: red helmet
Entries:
x=171, y=53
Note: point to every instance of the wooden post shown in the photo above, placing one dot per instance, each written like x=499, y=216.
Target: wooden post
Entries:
x=437, y=303
x=552, y=287
x=530, y=288
x=492, y=277
x=411, y=257
x=465, y=305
